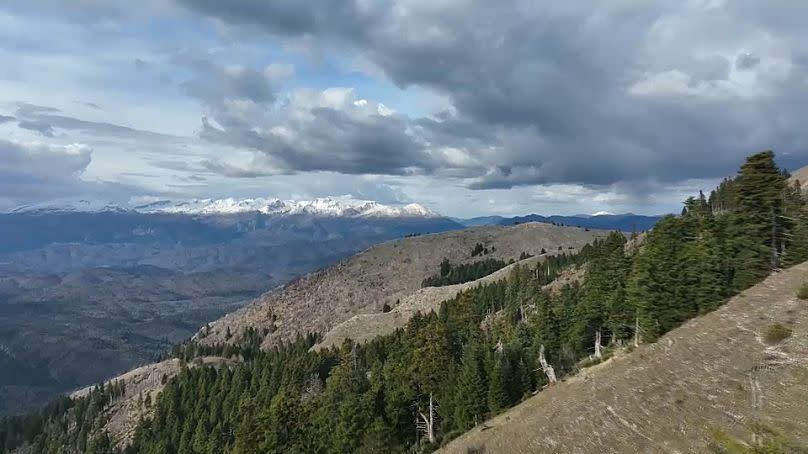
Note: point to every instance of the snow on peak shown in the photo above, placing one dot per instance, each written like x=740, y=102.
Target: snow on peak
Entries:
x=328, y=207
x=325, y=207
x=603, y=213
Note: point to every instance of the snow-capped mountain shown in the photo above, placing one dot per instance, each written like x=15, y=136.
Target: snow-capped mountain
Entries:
x=329, y=207
x=322, y=207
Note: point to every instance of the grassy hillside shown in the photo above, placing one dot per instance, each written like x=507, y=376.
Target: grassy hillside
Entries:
x=385, y=274
x=714, y=375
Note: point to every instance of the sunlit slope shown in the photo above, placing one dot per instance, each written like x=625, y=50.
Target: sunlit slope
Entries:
x=715, y=374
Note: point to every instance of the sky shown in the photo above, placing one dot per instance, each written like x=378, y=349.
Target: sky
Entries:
x=469, y=107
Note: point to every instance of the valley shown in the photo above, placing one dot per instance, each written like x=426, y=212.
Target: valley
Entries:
x=87, y=292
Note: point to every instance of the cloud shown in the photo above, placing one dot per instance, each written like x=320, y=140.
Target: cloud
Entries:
x=6, y=119
x=746, y=61
x=38, y=126
x=230, y=83
x=29, y=171
x=46, y=120
x=330, y=130
x=229, y=170
x=544, y=92
x=32, y=172
x=497, y=101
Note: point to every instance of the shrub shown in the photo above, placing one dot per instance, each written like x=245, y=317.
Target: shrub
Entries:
x=776, y=333
x=802, y=293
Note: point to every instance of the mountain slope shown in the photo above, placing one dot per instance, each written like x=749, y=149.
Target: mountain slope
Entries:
x=363, y=327
x=383, y=274
x=713, y=374
x=801, y=175
x=622, y=222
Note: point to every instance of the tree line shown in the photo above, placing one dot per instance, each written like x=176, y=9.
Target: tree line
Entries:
x=450, y=274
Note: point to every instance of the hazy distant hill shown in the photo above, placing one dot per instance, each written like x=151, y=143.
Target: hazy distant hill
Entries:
x=623, y=222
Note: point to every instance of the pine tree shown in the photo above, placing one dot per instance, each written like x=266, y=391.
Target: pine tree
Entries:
x=759, y=224
x=497, y=393
x=470, y=392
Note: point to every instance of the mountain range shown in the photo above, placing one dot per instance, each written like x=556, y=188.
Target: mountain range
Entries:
x=324, y=207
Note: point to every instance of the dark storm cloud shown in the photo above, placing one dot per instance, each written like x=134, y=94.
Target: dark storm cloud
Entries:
x=546, y=92
x=295, y=18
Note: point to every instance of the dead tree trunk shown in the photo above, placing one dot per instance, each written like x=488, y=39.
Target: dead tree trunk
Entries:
x=546, y=367
x=427, y=422
x=636, y=331
x=598, y=354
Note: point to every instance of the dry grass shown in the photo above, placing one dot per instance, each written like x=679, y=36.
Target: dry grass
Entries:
x=364, y=327
x=357, y=288
x=714, y=374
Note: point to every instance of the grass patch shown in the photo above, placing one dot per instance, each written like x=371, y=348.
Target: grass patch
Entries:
x=802, y=293
x=776, y=333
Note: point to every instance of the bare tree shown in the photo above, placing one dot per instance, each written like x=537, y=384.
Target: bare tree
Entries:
x=546, y=367
x=426, y=423
x=499, y=348
x=598, y=354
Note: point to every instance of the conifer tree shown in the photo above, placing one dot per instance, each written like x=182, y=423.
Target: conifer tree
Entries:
x=470, y=393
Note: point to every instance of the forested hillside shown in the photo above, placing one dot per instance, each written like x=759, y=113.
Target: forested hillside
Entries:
x=484, y=351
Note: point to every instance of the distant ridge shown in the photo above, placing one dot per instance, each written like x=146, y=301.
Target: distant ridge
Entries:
x=624, y=222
